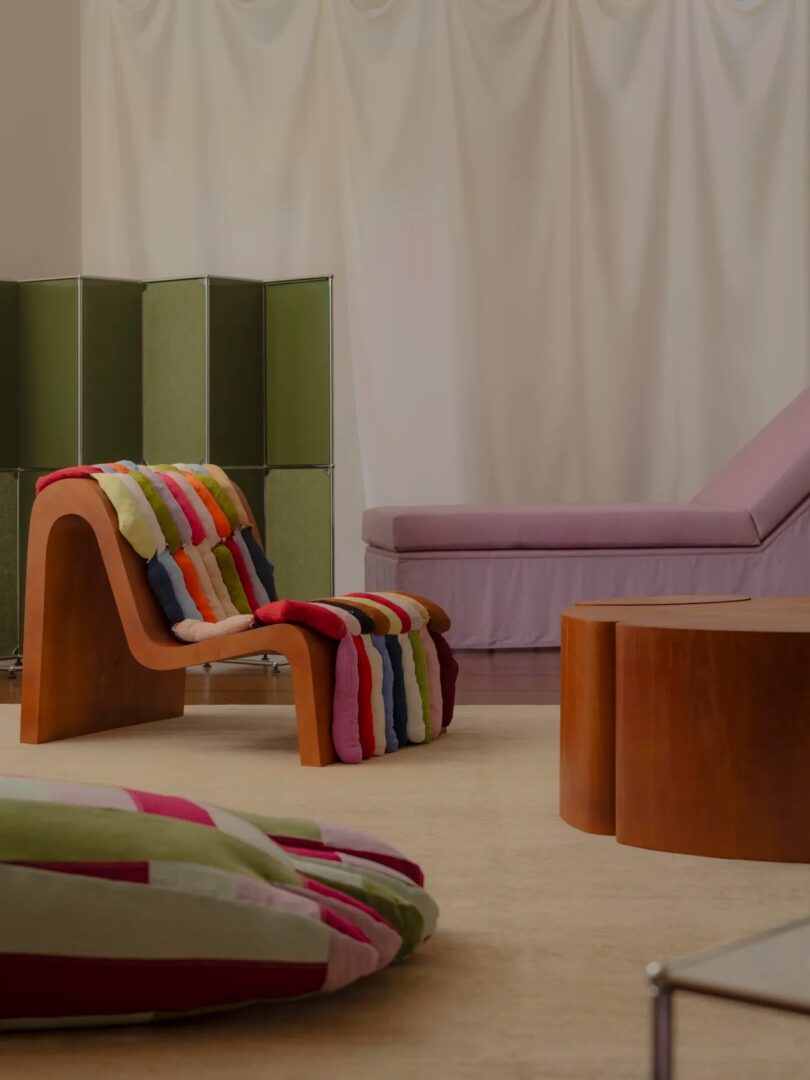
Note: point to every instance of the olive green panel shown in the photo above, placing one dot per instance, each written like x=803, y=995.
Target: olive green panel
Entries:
x=251, y=481
x=298, y=359
x=9, y=450
x=298, y=533
x=111, y=370
x=236, y=372
x=9, y=636
x=49, y=351
x=174, y=371
x=26, y=494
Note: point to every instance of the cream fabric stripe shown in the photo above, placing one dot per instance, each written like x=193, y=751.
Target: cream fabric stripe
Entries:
x=144, y=505
x=215, y=577
x=377, y=703
x=413, y=697
x=434, y=682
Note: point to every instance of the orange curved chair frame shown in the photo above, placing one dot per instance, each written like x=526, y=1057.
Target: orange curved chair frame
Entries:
x=97, y=651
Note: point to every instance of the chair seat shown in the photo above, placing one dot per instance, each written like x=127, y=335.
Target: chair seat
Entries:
x=557, y=526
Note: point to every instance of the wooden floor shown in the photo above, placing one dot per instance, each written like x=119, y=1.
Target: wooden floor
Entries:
x=511, y=677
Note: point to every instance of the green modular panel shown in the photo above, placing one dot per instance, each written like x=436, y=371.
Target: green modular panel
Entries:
x=111, y=370
x=9, y=634
x=298, y=350
x=251, y=481
x=26, y=494
x=298, y=533
x=174, y=409
x=9, y=449
x=235, y=372
x=49, y=373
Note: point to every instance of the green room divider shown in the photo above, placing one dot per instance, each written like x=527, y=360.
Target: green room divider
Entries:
x=299, y=442
x=8, y=467
x=233, y=371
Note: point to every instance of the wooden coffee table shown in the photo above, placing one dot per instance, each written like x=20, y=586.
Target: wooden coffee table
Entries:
x=685, y=724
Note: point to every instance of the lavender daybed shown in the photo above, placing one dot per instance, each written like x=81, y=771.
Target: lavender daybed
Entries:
x=506, y=572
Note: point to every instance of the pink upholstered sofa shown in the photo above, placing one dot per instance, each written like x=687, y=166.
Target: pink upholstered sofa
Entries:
x=506, y=572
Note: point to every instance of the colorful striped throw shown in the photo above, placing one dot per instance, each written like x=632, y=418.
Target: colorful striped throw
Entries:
x=395, y=674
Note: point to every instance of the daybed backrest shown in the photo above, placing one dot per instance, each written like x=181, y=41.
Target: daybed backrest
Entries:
x=770, y=476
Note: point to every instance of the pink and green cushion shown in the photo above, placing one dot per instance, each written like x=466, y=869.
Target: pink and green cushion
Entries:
x=123, y=906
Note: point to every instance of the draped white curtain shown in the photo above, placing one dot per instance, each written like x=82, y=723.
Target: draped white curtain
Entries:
x=570, y=238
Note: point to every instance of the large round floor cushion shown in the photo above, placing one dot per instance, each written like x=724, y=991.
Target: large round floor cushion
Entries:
x=121, y=906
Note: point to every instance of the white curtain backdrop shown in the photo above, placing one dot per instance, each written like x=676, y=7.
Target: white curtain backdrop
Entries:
x=570, y=238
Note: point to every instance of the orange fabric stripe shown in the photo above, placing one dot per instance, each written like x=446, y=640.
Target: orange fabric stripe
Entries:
x=193, y=585
x=221, y=523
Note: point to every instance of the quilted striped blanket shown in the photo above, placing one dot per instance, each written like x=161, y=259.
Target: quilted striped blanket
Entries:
x=395, y=674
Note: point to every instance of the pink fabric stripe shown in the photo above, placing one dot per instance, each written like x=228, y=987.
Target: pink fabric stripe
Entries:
x=197, y=530
x=312, y=853
x=345, y=713
x=335, y=894
x=308, y=847
x=170, y=806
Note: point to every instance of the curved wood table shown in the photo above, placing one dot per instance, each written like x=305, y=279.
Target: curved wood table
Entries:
x=685, y=724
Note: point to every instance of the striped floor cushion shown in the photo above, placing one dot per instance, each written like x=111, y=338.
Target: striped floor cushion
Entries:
x=123, y=906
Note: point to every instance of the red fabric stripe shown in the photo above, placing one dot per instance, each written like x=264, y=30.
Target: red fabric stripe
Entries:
x=365, y=718
x=448, y=673
x=114, y=871
x=32, y=986
x=197, y=527
x=312, y=853
x=343, y=926
x=300, y=611
x=170, y=806
x=242, y=571
x=72, y=472
x=336, y=894
x=401, y=613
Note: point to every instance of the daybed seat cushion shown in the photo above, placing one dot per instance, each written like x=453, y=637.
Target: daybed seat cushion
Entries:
x=122, y=906
x=559, y=526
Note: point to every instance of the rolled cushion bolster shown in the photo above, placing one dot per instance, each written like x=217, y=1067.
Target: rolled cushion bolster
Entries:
x=304, y=614
x=73, y=472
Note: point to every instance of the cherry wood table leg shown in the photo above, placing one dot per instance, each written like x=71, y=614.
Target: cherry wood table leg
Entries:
x=713, y=741
x=587, y=725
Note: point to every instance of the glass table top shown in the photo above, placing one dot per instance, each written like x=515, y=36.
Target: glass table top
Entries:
x=771, y=969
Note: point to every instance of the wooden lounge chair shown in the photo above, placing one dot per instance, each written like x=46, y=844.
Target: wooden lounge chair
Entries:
x=98, y=653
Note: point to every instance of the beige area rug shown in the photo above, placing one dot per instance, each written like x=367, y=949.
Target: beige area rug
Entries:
x=537, y=969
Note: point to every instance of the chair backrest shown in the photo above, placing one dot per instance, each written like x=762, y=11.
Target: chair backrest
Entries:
x=770, y=476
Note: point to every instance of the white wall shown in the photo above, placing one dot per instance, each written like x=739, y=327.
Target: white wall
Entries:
x=40, y=138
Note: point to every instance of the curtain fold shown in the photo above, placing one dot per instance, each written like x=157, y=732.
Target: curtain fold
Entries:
x=571, y=238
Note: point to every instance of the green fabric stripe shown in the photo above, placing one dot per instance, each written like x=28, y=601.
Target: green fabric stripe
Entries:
x=297, y=828
x=230, y=575
x=420, y=663
x=59, y=832
x=404, y=916
x=222, y=497
x=162, y=512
